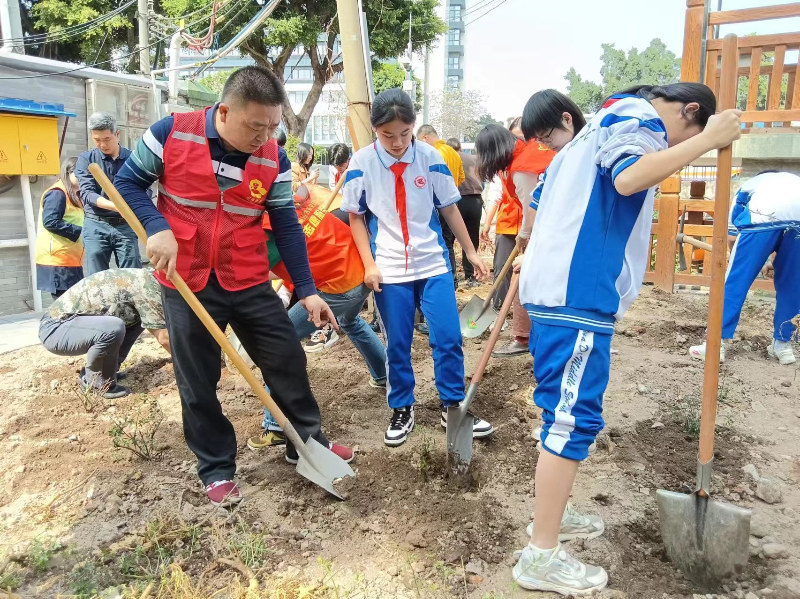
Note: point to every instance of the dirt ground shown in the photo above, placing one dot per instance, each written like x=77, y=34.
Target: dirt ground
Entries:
x=79, y=517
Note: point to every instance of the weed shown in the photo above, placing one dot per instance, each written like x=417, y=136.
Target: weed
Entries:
x=425, y=456
x=10, y=580
x=40, y=554
x=90, y=397
x=251, y=547
x=688, y=412
x=136, y=431
x=87, y=579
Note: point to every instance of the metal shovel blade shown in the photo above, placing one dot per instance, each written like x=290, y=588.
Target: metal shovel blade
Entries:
x=321, y=466
x=459, y=433
x=474, y=318
x=707, y=540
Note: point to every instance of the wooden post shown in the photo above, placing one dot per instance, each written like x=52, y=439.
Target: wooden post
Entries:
x=355, y=72
x=667, y=233
x=692, y=41
x=697, y=191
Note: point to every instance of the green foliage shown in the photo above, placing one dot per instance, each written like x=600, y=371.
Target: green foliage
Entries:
x=40, y=554
x=97, y=44
x=216, y=81
x=10, y=579
x=767, y=59
x=656, y=65
x=291, y=146
x=387, y=76
x=456, y=113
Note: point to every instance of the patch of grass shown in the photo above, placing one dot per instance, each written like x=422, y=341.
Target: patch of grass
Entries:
x=40, y=554
x=10, y=580
x=89, y=578
x=688, y=412
x=251, y=547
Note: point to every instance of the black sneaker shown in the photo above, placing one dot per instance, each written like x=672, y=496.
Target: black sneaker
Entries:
x=480, y=428
x=376, y=328
x=471, y=282
x=400, y=427
x=114, y=391
x=321, y=339
x=422, y=328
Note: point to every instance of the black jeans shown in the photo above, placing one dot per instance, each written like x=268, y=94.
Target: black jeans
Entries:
x=471, y=209
x=258, y=318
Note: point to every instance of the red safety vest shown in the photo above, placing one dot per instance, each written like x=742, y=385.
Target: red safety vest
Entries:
x=531, y=157
x=214, y=229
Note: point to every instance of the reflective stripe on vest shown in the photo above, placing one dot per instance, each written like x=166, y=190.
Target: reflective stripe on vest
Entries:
x=263, y=161
x=243, y=211
x=185, y=202
x=182, y=135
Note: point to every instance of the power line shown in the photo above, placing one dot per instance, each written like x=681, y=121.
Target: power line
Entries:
x=481, y=4
x=498, y=5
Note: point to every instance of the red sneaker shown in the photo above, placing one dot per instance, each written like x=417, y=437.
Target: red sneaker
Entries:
x=223, y=493
x=343, y=452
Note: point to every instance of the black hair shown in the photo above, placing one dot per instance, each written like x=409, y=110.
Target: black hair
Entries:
x=254, y=84
x=545, y=111
x=769, y=170
x=454, y=143
x=392, y=104
x=495, y=148
x=683, y=92
x=280, y=136
x=338, y=154
x=305, y=154
x=514, y=123
x=73, y=193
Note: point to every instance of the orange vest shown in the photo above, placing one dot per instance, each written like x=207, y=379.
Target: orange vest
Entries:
x=336, y=265
x=55, y=250
x=530, y=157
x=219, y=230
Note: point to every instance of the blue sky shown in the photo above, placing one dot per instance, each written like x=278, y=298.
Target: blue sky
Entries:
x=527, y=45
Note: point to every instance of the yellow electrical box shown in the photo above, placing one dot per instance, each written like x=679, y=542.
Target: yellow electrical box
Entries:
x=28, y=145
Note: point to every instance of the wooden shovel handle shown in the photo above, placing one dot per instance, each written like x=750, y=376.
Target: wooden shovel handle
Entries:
x=499, y=280
x=716, y=298
x=195, y=304
x=335, y=192
x=498, y=327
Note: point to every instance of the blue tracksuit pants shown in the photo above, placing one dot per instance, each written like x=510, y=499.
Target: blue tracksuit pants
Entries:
x=748, y=256
x=436, y=299
x=571, y=370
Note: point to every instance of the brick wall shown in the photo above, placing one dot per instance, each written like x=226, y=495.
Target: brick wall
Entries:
x=15, y=276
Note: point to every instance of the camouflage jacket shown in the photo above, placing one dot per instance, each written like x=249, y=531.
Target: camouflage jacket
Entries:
x=131, y=294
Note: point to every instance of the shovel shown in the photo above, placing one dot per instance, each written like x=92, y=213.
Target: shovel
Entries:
x=682, y=238
x=459, y=424
x=708, y=540
x=475, y=318
x=317, y=463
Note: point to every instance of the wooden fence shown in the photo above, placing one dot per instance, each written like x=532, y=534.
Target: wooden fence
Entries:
x=781, y=108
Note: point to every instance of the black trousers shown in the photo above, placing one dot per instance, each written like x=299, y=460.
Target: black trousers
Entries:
x=503, y=246
x=261, y=323
x=471, y=209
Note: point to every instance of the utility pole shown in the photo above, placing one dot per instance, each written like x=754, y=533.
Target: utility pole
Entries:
x=426, y=86
x=11, y=27
x=355, y=71
x=144, y=37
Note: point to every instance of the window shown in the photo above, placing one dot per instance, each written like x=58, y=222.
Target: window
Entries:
x=326, y=128
x=300, y=73
x=454, y=37
x=455, y=13
x=297, y=98
x=453, y=82
x=453, y=62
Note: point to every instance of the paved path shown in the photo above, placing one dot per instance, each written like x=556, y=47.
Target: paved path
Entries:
x=18, y=331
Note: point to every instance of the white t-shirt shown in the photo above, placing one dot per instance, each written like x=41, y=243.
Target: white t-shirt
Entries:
x=766, y=202
x=369, y=189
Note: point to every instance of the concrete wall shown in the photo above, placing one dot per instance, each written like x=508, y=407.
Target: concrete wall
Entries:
x=15, y=275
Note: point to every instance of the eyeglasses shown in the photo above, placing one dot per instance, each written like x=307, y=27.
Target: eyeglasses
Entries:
x=545, y=138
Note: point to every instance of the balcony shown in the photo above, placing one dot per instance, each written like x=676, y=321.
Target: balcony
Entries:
x=455, y=73
x=455, y=49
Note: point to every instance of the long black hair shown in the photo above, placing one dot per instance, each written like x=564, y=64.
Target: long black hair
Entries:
x=73, y=193
x=495, y=148
x=545, y=111
x=683, y=92
x=305, y=154
x=392, y=104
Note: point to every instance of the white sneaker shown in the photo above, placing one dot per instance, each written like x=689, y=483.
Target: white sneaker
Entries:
x=575, y=525
x=698, y=352
x=560, y=573
x=321, y=339
x=782, y=351
x=537, y=434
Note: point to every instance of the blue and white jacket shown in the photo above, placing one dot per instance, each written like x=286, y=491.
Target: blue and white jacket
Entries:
x=587, y=255
x=766, y=202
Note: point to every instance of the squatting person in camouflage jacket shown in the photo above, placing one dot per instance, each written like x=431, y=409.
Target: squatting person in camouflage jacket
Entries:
x=102, y=316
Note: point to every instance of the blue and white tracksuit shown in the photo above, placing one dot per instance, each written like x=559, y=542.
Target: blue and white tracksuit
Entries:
x=414, y=262
x=766, y=216
x=584, y=266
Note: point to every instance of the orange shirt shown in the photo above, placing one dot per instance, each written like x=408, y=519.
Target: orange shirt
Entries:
x=530, y=157
x=335, y=262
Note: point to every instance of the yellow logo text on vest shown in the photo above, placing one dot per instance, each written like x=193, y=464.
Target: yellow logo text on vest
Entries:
x=257, y=191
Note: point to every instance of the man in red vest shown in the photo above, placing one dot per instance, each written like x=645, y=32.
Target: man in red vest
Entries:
x=218, y=170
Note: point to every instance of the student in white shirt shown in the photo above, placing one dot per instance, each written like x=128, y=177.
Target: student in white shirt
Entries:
x=583, y=267
x=392, y=191
x=765, y=218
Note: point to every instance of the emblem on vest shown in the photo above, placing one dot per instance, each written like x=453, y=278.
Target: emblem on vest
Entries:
x=257, y=191
x=420, y=181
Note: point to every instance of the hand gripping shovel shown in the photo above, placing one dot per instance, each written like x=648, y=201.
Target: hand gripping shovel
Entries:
x=709, y=540
x=476, y=317
x=317, y=463
x=459, y=424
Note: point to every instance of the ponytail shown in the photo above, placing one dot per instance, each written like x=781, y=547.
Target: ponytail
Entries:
x=67, y=168
x=683, y=92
